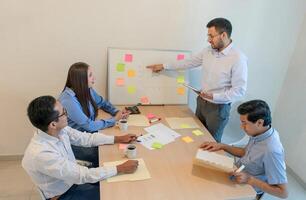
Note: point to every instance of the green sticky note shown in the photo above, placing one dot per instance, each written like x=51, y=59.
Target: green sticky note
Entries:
x=131, y=89
x=120, y=67
x=185, y=126
x=180, y=79
x=197, y=132
x=157, y=145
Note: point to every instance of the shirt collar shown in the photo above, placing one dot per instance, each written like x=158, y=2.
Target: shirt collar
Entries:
x=264, y=135
x=46, y=136
x=227, y=49
x=224, y=52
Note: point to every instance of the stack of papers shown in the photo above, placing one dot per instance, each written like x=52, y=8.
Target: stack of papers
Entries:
x=181, y=123
x=141, y=173
x=138, y=120
x=214, y=161
x=157, y=134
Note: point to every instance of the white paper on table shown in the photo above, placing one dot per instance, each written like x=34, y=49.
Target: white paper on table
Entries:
x=161, y=128
x=141, y=173
x=148, y=139
x=181, y=122
x=138, y=120
x=215, y=160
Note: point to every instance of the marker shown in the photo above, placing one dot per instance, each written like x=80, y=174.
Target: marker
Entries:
x=154, y=120
x=237, y=171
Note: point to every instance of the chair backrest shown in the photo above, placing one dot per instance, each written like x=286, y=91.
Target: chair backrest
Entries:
x=41, y=194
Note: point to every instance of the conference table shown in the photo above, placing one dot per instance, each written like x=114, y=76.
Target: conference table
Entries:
x=173, y=174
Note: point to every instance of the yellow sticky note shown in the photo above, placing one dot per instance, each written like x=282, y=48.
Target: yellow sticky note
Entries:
x=180, y=79
x=131, y=73
x=131, y=89
x=187, y=139
x=120, y=82
x=120, y=67
x=197, y=132
x=180, y=90
x=185, y=126
x=157, y=145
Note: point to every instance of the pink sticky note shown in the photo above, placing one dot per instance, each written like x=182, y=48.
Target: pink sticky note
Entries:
x=151, y=116
x=120, y=82
x=144, y=100
x=180, y=57
x=128, y=58
x=122, y=146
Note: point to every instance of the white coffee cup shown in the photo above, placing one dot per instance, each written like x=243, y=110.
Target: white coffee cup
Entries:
x=130, y=151
x=123, y=124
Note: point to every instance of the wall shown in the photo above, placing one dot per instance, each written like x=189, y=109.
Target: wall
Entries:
x=41, y=39
x=289, y=117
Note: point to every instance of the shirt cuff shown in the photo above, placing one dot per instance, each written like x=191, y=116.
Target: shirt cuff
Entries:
x=166, y=66
x=111, y=171
x=102, y=139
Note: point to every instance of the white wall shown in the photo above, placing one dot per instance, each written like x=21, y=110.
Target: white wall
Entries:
x=290, y=113
x=41, y=39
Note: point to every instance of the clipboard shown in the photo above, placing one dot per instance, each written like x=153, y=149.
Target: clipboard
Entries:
x=193, y=89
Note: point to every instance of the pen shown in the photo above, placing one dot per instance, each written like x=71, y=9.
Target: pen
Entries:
x=237, y=171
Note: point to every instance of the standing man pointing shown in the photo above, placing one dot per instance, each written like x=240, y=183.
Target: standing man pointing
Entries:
x=224, y=72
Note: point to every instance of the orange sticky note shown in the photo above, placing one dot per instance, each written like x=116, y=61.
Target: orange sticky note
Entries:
x=131, y=73
x=122, y=146
x=187, y=139
x=180, y=57
x=120, y=81
x=128, y=58
x=180, y=91
x=144, y=100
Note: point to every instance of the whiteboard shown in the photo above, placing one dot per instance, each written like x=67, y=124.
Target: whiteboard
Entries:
x=130, y=82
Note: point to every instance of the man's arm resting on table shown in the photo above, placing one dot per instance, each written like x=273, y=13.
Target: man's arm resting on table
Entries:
x=214, y=146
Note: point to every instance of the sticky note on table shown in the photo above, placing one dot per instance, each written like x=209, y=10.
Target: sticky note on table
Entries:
x=128, y=58
x=120, y=81
x=197, y=132
x=185, y=126
x=120, y=67
x=123, y=146
x=131, y=89
x=131, y=73
x=187, y=139
x=144, y=100
x=157, y=145
x=180, y=79
x=180, y=57
x=180, y=90
x=151, y=116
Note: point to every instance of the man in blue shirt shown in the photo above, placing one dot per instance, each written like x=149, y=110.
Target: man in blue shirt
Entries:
x=263, y=157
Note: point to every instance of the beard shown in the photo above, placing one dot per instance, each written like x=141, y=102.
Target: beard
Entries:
x=219, y=45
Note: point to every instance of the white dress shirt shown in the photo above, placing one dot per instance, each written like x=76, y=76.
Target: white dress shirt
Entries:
x=51, y=164
x=224, y=73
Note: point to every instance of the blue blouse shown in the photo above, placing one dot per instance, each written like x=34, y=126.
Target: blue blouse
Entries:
x=77, y=119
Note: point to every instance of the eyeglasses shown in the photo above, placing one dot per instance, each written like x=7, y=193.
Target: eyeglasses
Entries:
x=210, y=37
x=64, y=113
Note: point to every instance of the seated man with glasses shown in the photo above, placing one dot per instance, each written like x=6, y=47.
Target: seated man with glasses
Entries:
x=50, y=161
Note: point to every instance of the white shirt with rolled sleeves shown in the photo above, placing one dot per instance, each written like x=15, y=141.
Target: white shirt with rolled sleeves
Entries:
x=51, y=164
x=224, y=73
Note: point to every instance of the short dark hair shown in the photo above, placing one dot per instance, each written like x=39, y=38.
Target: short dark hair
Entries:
x=256, y=109
x=41, y=112
x=221, y=25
